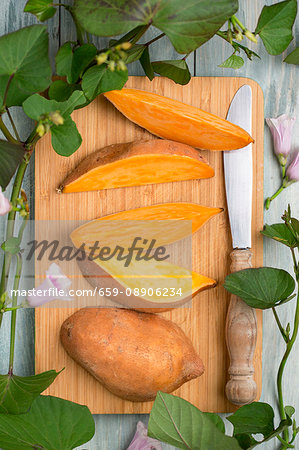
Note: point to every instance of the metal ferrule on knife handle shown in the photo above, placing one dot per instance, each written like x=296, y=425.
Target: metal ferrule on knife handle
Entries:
x=241, y=335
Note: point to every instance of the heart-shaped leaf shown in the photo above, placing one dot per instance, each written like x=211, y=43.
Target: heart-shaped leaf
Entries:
x=12, y=246
x=17, y=393
x=293, y=58
x=99, y=79
x=233, y=62
x=202, y=18
x=261, y=288
x=20, y=52
x=275, y=25
x=37, y=106
x=179, y=423
x=64, y=60
x=281, y=233
x=256, y=418
x=66, y=138
x=11, y=155
x=82, y=57
x=51, y=423
x=176, y=70
x=42, y=9
x=61, y=91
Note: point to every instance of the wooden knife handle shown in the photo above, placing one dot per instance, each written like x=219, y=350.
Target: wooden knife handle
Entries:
x=241, y=334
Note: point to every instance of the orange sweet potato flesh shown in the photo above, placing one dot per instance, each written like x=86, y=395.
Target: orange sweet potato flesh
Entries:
x=171, y=119
x=133, y=354
x=137, y=163
x=112, y=275
x=148, y=219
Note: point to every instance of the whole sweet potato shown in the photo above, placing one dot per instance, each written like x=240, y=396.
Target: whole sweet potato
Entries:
x=133, y=354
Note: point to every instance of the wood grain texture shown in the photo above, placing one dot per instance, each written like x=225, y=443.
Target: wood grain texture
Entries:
x=101, y=124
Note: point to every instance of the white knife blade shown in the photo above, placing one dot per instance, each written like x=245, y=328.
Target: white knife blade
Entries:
x=238, y=172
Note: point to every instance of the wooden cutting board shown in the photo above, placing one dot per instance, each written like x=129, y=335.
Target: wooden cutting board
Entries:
x=101, y=124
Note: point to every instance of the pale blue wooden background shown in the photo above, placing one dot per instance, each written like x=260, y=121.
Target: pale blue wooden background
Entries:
x=280, y=84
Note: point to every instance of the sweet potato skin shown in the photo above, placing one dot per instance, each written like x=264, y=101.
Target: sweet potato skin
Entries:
x=131, y=153
x=133, y=354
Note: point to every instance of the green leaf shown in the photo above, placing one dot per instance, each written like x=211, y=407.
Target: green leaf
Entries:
x=51, y=424
x=275, y=25
x=147, y=65
x=134, y=53
x=82, y=57
x=24, y=64
x=11, y=155
x=61, y=91
x=233, y=62
x=188, y=24
x=12, y=246
x=295, y=226
x=261, y=288
x=289, y=410
x=17, y=393
x=293, y=58
x=255, y=418
x=99, y=79
x=217, y=421
x=37, y=106
x=281, y=233
x=66, y=139
x=64, y=60
x=179, y=423
x=42, y=9
x=176, y=70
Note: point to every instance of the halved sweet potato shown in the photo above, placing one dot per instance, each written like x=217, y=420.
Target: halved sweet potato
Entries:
x=135, y=164
x=134, y=355
x=157, y=285
x=178, y=121
x=148, y=221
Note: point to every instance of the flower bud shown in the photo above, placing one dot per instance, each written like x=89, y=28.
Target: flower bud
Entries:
x=281, y=129
x=121, y=65
x=239, y=36
x=293, y=169
x=5, y=205
x=101, y=58
x=126, y=45
x=141, y=441
x=56, y=118
x=111, y=66
x=40, y=129
x=250, y=36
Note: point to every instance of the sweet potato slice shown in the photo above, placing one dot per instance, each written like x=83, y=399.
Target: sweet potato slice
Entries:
x=148, y=220
x=136, y=164
x=154, y=285
x=133, y=354
x=171, y=119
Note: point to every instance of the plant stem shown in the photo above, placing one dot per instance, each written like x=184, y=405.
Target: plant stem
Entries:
x=269, y=199
x=155, y=39
x=6, y=132
x=7, y=88
x=282, y=366
x=11, y=223
x=281, y=329
x=13, y=125
x=14, y=313
x=235, y=21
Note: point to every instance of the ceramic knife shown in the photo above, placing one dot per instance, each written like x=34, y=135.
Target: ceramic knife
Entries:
x=241, y=324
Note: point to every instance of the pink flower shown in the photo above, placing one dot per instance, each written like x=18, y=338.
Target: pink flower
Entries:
x=55, y=287
x=5, y=205
x=141, y=441
x=281, y=129
x=293, y=169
